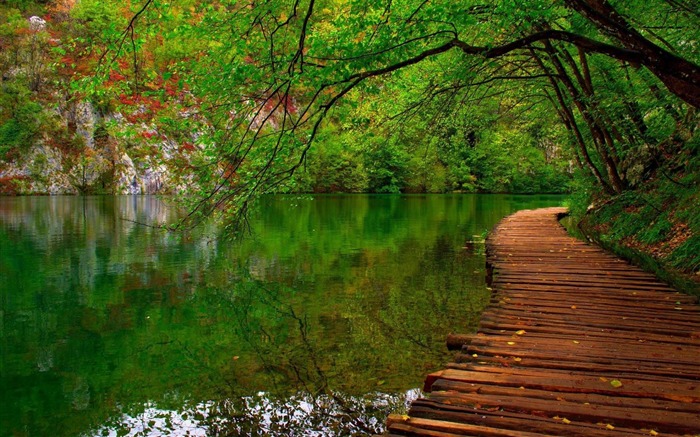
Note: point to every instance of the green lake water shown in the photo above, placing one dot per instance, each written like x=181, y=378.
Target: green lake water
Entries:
x=321, y=322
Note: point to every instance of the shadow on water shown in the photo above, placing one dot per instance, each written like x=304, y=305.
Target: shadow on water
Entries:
x=321, y=323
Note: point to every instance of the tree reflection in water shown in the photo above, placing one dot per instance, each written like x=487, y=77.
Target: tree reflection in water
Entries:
x=263, y=414
x=323, y=322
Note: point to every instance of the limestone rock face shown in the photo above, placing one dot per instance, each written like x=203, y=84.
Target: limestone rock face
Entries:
x=142, y=163
x=37, y=24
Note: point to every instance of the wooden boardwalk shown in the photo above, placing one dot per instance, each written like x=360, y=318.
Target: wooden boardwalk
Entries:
x=575, y=342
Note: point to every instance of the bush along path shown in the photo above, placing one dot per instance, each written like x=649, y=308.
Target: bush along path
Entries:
x=575, y=342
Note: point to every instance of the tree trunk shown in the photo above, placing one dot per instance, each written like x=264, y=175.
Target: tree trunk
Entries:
x=598, y=136
x=680, y=76
x=570, y=123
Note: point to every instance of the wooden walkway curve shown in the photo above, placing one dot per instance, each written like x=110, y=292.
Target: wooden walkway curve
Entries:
x=575, y=342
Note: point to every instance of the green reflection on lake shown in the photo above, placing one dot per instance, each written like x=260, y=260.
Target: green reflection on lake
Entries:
x=323, y=321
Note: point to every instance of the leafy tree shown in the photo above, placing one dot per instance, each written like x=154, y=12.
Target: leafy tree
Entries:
x=280, y=69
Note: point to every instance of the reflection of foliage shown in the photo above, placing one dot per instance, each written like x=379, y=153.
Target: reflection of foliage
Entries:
x=331, y=301
x=263, y=414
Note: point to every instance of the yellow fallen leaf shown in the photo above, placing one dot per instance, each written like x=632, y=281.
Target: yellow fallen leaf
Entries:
x=609, y=426
x=565, y=420
x=521, y=332
x=518, y=359
x=576, y=342
x=511, y=343
x=603, y=379
x=615, y=383
x=475, y=355
x=652, y=432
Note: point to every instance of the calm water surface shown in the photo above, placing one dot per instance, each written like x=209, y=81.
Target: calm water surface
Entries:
x=322, y=322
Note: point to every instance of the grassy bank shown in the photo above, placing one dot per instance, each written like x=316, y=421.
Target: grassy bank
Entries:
x=657, y=225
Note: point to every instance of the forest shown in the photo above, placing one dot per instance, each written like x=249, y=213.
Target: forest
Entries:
x=264, y=217
x=227, y=101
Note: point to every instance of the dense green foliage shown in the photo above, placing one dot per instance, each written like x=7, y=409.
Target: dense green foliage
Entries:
x=360, y=96
x=437, y=96
x=150, y=74
x=658, y=225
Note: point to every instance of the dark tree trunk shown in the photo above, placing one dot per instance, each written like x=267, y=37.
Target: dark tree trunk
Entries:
x=680, y=76
x=570, y=123
x=598, y=135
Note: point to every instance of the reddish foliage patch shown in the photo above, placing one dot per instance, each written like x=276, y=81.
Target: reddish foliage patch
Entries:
x=115, y=76
x=9, y=184
x=187, y=147
x=148, y=135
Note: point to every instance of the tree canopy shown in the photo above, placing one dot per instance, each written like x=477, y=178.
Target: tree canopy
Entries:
x=386, y=95
x=618, y=76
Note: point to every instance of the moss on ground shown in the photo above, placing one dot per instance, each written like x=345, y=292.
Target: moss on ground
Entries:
x=657, y=225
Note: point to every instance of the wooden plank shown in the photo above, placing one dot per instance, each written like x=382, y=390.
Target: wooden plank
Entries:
x=575, y=382
x=499, y=419
x=462, y=361
x=664, y=421
x=411, y=424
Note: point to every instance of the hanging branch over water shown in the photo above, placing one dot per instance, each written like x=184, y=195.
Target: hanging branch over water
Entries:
x=304, y=70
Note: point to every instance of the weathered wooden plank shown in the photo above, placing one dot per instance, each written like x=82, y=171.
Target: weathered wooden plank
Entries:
x=541, y=319
x=576, y=382
x=658, y=370
x=411, y=424
x=667, y=325
x=576, y=334
x=664, y=421
x=621, y=348
x=431, y=409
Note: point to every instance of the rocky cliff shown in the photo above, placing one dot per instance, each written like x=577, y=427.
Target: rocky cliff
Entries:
x=55, y=140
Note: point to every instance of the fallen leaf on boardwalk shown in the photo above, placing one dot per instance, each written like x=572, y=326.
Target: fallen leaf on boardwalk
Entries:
x=576, y=342
x=521, y=332
x=573, y=307
x=511, y=343
x=565, y=420
x=615, y=383
x=652, y=432
x=475, y=355
x=604, y=379
x=609, y=426
x=518, y=359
